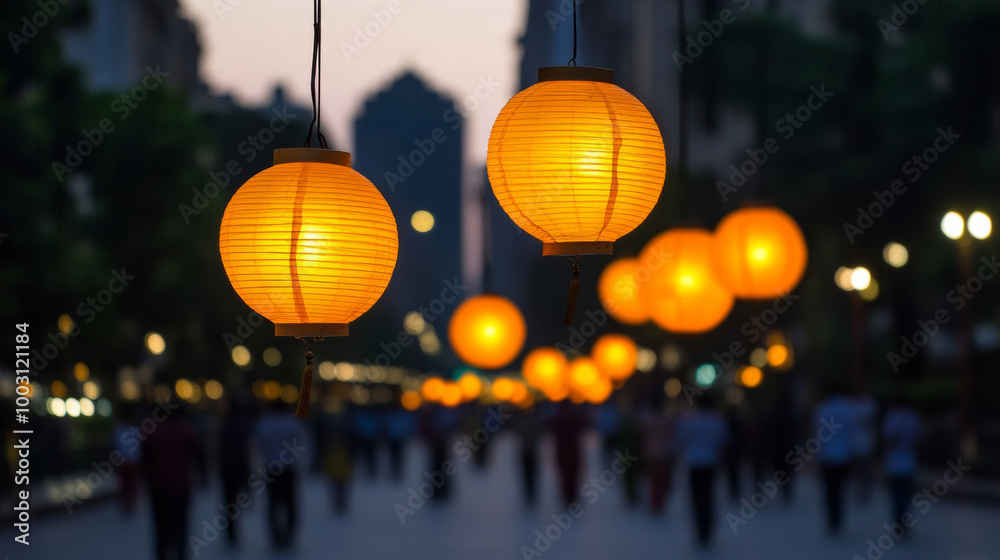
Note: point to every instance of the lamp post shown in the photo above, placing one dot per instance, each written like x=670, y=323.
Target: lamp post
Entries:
x=857, y=280
x=965, y=232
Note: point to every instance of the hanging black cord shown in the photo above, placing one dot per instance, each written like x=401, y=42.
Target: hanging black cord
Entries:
x=572, y=61
x=315, y=88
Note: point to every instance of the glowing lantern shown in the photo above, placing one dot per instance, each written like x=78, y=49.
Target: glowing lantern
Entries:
x=575, y=160
x=451, y=394
x=598, y=392
x=683, y=295
x=487, y=331
x=759, y=252
x=310, y=244
x=616, y=356
x=432, y=389
x=410, y=400
x=470, y=385
x=503, y=389
x=582, y=376
x=544, y=368
x=618, y=290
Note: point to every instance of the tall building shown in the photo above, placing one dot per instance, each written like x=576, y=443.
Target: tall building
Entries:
x=123, y=37
x=408, y=142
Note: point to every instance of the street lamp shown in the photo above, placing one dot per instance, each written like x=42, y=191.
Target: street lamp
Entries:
x=858, y=280
x=979, y=226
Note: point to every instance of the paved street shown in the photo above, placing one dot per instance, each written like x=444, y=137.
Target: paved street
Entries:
x=487, y=521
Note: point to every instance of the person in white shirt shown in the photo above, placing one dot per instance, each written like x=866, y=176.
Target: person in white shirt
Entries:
x=702, y=435
x=901, y=432
x=834, y=428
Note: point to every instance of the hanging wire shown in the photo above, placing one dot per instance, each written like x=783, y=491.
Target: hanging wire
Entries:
x=315, y=87
x=572, y=61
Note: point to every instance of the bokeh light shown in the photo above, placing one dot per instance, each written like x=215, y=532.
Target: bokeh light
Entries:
x=422, y=221
x=979, y=225
x=155, y=343
x=895, y=255
x=952, y=225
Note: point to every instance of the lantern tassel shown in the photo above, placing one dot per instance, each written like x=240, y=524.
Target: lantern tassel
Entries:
x=574, y=291
x=302, y=411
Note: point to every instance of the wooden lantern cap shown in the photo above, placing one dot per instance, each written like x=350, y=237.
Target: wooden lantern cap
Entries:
x=576, y=73
x=318, y=330
x=314, y=155
x=578, y=248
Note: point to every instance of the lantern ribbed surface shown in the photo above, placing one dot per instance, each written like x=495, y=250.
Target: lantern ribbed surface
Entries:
x=309, y=243
x=760, y=252
x=574, y=161
x=683, y=295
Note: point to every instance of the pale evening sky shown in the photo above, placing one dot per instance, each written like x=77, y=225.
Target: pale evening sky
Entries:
x=248, y=47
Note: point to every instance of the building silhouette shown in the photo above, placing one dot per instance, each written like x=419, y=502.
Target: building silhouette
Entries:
x=408, y=142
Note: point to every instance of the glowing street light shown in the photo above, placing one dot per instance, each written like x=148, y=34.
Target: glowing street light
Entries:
x=860, y=278
x=952, y=225
x=979, y=225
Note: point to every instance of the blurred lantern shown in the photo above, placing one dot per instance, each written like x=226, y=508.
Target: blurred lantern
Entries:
x=451, y=394
x=683, y=295
x=410, y=400
x=759, y=252
x=619, y=292
x=503, y=388
x=576, y=162
x=470, y=385
x=544, y=368
x=487, y=331
x=582, y=375
x=309, y=243
x=615, y=355
x=432, y=389
x=750, y=376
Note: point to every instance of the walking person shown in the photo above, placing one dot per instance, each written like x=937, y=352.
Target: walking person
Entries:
x=567, y=428
x=702, y=436
x=658, y=453
x=277, y=430
x=129, y=470
x=170, y=454
x=529, y=426
x=834, y=427
x=901, y=431
x=234, y=457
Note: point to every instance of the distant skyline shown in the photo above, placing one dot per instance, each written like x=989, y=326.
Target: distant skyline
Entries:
x=454, y=45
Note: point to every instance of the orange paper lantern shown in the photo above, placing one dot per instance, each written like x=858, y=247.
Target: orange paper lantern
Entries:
x=309, y=243
x=759, y=252
x=618, y=289
x=683, y=295
x=544, y=369
x=487, y=331
x=616, y=356
x=576, y=161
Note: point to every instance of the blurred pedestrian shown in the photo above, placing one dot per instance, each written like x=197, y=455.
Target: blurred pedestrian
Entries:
x=529, y=426
x=657, y=452
x=702, y=436
x=338, y=458
x=901, y=431
x=277, y=431
x=834, y=428
x=865, y=412
x=567, y=428
x=169, y=456
x=234, y=456
x=399, y=427
x=734, y=451
x=366, y=426
x=129, y=449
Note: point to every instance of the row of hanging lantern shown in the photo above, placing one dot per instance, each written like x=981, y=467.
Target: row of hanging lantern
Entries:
x=574, y=160
x=592, y=378
x=685, y=279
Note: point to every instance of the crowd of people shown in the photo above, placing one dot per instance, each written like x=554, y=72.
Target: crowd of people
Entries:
x=254, y=447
